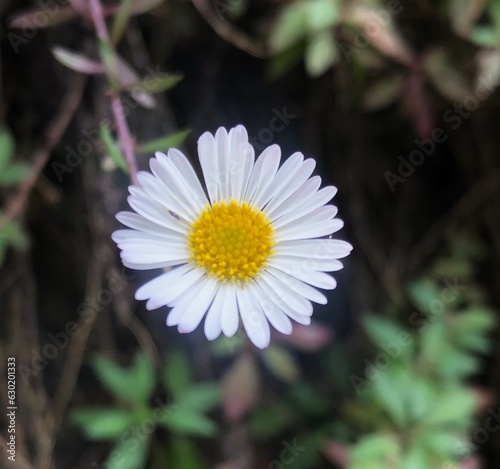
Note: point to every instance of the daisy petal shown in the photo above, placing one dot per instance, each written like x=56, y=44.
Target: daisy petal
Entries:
x=255, y=323
x=314, y=248
x=313, y=230
x=263, y=172
x=199, y=306
x=230, y=318
x=213, y=323
x=209, y=164
x=298, y=286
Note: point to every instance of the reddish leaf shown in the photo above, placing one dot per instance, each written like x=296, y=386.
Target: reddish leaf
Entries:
x=240, y=387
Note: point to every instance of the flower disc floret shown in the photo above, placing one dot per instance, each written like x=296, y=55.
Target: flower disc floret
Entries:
x=231, y=241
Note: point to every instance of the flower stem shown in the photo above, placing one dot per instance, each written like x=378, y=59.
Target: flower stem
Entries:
x=125, y=137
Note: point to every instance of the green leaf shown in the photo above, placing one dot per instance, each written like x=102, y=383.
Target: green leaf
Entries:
x=384, y=332
x=177, y=377
x=76, y=61
x=456, y=406
x=454, y=364
x=390, y=391
x=383, y=92
x=415, y=458
x=185, y=454
x=477, y=318
x=227, y=346
x=6, y=147
x=433, y=340
x=121, y=20
x=187, y=422
x=281, y=363
x=377, y=451
x=200, y=398
x=102, y=423
x=320, y=54
x=423, y=293
x=269, y=420
x=322, y=14
x=13, y=174
x=290, y=27
x=119, y=381
x=130, y=452
x=155, y=83
x=284, y=61
x=163, y=143
x=143, y=375
x=112, y=148
x=447, y=444
x=12, y=234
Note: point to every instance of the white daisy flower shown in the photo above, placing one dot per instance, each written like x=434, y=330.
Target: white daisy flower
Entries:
x=251, y=247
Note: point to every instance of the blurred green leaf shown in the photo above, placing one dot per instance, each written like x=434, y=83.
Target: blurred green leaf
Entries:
x=376, y=451
x=383, y=92
x=320, y=54
x=321, y=15
x=112, y=148
x=121, y=20
x=177, y=376
x=185, y=454
x=201, y=397
x=11, y=234
x=187, y=422
x=304, y=399
x=155, y=84
x=415, y=457
x=390, y=391
x=282, y=62
x=119, y=381
x=384, y=332
x=129, y=453
x=455, y=407
x=423, y=293
x=281, y=363
x=268, y=420
x=6, y=148
x=76, y=61
x=102, y=423
x=454, y=364
x=143, y=375
x=433, y=340
x=290, y=27
x=13, y=174
x=163, y=143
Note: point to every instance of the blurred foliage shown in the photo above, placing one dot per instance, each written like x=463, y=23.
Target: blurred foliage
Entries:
x=132, y=423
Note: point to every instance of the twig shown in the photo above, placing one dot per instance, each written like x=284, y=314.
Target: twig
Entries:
x=53, y=135
x=123, y=130
x=229, y=33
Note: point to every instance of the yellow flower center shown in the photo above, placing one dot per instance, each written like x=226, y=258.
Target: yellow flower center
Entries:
x=231, y=241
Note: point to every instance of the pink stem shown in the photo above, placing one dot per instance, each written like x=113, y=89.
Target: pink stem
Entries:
x=122, y=127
